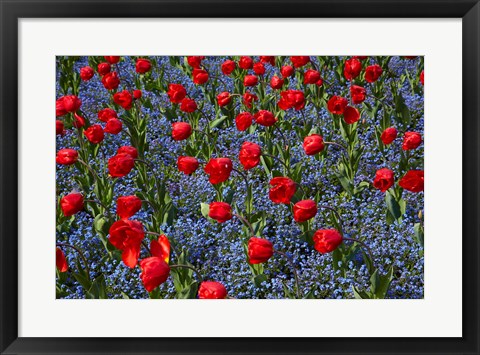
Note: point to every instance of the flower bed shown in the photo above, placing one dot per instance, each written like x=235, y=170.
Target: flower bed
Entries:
x=239, y=177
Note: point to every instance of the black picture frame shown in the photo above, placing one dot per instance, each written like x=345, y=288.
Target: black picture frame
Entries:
x=11, y=11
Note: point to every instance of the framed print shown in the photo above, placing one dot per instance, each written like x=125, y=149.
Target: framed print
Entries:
x=229, y=181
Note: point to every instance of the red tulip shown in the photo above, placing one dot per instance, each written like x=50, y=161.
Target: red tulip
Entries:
x=187, y=165
x=292, y=99
x=113, y=126
x=384, y=179
x=120, y=165
x=112, y=59
x=311, y=76
x=259, y=68
x=219, y=169
x=276, y=83
x=127, y=235
x=265, y=118
x=200, y=76
x=61, y=261
x=326, y=240
x=86, y=73
x=248, y=98
x=304, y=210
x=220, y=211
x=71, y=103
x=188, y=105
x=337, y=104
x=300, y=61
x=412, y=181
x=228, y=67
x=103, y=68
x=411, y=140
x=106, y=114
x=259, y=250
x=267, y=59
x=143, y=66
x=124, y=99
x=161, y=248
x=372, y=73
x=313, y=144
x=78, y=121
x=127, y=206
x=176, y=93
x=67, y=156
x=195, y=61
x=94, y=133
x=388, y=135
x=137, y=94
x=59, y=128
x=245, y=62
x=212, y=290
x=250, y=80
x=126, y=149
x=224, y=98
x=358, y=94
x=71, y=204
x=286, y=71
x=181, y=131
x=65, y=104
x=352, y=68
x=111, y=81
x=282, y=190
x=351, y=115
x=243, y=120
x=155, y=272
x=250, y=154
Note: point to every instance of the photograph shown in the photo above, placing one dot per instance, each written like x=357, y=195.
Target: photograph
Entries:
x=242, y=177
x=269, y=158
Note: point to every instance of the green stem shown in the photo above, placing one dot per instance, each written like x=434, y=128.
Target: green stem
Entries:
x=290, y=261
x=363, y=244
x=287, y=168
x=65, y=245
x=94, y=174
x=178, y=266
x=246, y=222
x=336, y=214
x=98, y=203
x=337, y=144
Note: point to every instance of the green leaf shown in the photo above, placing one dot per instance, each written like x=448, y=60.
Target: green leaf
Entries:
x=361, y=295
x=258, y=279
x=101, y=224
x=418, y=228
x=383, y=283
x=188, y=292
x=310, y=294
x=389, y=218
x=83, y=281
x=205, y=209
x=392, y=205
x=98, y=288
x=266, y=163
x=229, y=197
x=288, y=292
x=155, y=294
x=218, y=121
x=361, y=186
x=374, y=281
x=403, y=206
x=345, y=182
x=337, y=257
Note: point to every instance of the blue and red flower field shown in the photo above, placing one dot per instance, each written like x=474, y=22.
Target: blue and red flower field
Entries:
x=239, y=177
